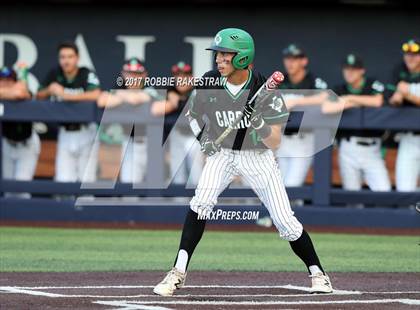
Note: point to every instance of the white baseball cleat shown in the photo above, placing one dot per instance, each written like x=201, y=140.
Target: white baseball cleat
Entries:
x=321, y=284
x=174, y=280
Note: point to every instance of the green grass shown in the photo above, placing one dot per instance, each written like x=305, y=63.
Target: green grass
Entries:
x=53, y=249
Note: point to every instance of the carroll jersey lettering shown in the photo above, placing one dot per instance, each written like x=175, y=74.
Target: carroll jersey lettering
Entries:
x=226, y=119
x=218, y=107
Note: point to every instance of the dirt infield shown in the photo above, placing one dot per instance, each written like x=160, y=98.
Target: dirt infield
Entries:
x=206, y=290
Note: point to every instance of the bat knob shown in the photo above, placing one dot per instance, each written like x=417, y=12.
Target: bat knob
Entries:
x=275, y=80
x=278, y=77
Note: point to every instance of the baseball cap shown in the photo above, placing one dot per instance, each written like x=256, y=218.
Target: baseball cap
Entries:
x=181, y=67
x=7, y=73
x=293, y=50
x=353, y=61
x=134, y=65
x=411, y=46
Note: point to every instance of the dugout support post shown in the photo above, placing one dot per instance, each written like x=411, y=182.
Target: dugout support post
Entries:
x=1, y=158
x=321, y=186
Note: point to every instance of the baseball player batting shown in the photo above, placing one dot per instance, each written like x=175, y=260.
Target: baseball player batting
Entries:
x=246, y=151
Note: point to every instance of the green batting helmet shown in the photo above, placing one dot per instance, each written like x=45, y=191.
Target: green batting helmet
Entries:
x=234, y=40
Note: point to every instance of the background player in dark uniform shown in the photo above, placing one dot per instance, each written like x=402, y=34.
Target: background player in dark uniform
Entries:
x=21, y=145
x=132, y=91
x=360, y=155
x=292, y=154
x=77, y=148
x=406, y=92
x=246, y=151
x=182, y=141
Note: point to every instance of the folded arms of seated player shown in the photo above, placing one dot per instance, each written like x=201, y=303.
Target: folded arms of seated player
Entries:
x=163, y=107
x=352, y=101
x=134, y=97
x=406, y=91
x=55, y=89
x=369, y=101
x=368, y=94
x=17, y=91
x=315, y=99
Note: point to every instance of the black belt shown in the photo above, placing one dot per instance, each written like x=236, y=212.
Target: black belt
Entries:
x=363, y=143
x=366, y=143
x=415, y=133
x=16, y=143
x=73, y=127
x=299, y=134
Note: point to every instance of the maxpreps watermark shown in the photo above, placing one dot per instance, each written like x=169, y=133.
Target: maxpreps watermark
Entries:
x=229, y=215
x=156, y=81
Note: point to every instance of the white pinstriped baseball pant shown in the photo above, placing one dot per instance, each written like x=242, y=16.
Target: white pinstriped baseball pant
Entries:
x=259, y=169
x=408, y=163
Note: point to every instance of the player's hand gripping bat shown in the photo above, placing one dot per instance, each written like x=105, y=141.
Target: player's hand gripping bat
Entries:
x=263, y=92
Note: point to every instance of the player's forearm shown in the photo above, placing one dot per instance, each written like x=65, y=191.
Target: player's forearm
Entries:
x=197, y=125
x=273, y=140
x=134, y=97
x=14, y=93
x=412, y=98
x=6, y=94
x=372, y=101
x=307, y=100
x=92, y=95
x=110, y=101
x=172, y=103
x=163, y=107
x=43, y=94
x=329, y=107
x=22, y=94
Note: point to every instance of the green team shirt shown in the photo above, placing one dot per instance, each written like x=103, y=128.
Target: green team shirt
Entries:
x=217, y=107
x=369, y=87
x=85, y=80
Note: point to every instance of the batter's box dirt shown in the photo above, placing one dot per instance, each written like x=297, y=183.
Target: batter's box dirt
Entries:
x=206, y=290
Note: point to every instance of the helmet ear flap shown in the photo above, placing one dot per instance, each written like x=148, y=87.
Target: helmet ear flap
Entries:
x=240, y=61
x=235, y=61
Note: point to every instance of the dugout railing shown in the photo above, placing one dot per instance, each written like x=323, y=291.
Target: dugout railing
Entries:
x=321, y=192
